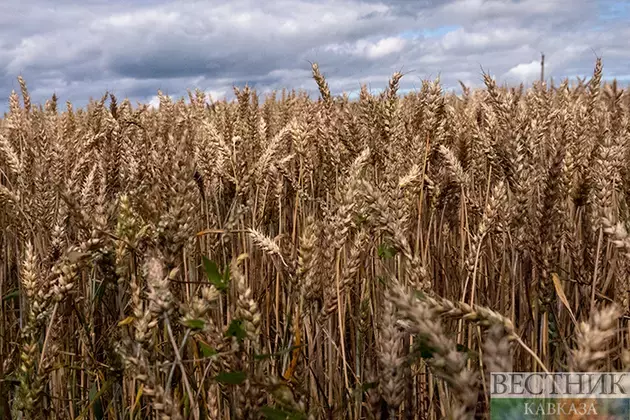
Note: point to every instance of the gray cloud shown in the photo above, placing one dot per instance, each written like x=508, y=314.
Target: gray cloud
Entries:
x=80, y=49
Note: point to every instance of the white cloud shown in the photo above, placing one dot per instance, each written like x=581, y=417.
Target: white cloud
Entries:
x=154, y=102
x=80, y=50
x=217, y=94
x=489, y=37
x=369, y=49
x=145, y=18
x=384, y=47
x=525, y=72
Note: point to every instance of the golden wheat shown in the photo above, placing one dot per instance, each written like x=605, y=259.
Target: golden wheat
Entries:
x=307, y=259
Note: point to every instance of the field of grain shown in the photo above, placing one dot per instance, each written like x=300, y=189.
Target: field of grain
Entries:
x=291, y=258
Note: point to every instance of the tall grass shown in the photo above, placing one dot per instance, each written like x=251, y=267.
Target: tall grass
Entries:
x=291, y=258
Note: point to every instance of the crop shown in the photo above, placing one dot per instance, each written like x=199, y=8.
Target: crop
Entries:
x=290, y=258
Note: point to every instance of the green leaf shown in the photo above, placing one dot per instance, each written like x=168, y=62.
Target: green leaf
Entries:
x=369, y=385
x=462, y=348
x=279, y=353
x=206, y=350
x=96, y=402
x=236, y=330
x=360, y=219
x=100, y=292
x=226, y=276
x=186, y=405
x=364, y=387
x=195, y=324
x=422, y=347
x=273, y=413
x=386, y=251
x=470, y=354
x=13, y=294
x=231, y=378
x=213, y=274
x=419, y=294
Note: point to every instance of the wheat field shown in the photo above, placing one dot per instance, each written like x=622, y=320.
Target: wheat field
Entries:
x=292, y=258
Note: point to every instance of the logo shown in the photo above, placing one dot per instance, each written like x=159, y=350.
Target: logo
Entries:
x=576, y=395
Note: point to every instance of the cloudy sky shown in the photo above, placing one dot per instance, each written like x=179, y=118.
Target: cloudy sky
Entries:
x=80, y=49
